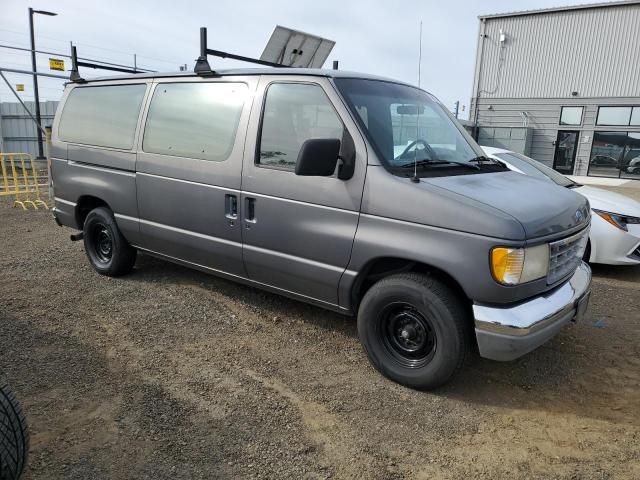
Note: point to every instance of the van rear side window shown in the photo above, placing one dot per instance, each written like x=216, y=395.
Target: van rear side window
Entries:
x=194, y=120
x=102, y=116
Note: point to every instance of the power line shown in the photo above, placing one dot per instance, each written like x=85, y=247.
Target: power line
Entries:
x=146, y=70
x=82, y=44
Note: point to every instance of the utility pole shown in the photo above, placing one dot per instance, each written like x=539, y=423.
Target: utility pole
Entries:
x=36, y=94
x=457, y=107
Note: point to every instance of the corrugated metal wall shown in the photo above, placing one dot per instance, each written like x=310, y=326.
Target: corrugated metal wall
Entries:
x=592, y=51
x=18, y=131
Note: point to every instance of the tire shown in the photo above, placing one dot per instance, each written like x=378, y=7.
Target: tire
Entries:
x=14, y=436
x=414, y=329
x=107, y=250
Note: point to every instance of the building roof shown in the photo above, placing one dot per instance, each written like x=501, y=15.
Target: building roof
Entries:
x=583, y=6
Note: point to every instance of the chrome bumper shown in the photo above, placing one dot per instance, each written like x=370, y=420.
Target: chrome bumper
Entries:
x=510, y=332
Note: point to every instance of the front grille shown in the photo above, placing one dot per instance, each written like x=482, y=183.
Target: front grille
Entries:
x=565, y=255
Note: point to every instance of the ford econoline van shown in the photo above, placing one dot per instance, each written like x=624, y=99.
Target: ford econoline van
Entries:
x=358, y=194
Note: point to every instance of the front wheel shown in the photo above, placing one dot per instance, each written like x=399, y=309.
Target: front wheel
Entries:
x=107, y=250
x=414, y=329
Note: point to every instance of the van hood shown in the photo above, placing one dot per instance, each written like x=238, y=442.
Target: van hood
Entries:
x=541, y=207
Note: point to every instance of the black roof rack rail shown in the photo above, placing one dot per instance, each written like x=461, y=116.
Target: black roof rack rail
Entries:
x=75, y=63
x=202, y=66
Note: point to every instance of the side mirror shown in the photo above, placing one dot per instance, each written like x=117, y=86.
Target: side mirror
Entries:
x=318, y=157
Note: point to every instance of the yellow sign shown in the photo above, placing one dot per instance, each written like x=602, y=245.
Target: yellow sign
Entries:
x=56, y=64
x=20, y=87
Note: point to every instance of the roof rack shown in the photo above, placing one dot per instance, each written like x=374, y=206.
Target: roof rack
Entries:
x=202, y=66
x=75, y=63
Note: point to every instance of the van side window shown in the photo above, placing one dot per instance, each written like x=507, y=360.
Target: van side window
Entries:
x=294, y=113
x=102, y=116
x=194, y=120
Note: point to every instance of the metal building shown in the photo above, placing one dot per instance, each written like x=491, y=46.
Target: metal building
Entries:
x=562, y=85
x=17, y=130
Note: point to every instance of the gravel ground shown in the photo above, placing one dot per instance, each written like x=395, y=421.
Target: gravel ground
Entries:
x=170, y=373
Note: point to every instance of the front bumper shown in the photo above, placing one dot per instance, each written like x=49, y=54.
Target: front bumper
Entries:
x=613, y=246
x=506, y=333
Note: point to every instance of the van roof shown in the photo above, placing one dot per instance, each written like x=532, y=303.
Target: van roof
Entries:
x=253, y=71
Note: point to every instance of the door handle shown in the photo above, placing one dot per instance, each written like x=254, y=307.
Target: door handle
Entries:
x=231, y=206
x=250, y=210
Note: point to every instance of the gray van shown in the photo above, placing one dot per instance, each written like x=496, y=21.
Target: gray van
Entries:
x=355, y=193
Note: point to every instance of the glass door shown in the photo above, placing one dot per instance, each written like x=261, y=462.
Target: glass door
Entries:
x=566, y=148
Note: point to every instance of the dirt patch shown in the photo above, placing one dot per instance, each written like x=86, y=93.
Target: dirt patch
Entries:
x=170, y=373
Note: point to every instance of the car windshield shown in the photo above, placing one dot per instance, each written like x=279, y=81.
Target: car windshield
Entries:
x=531, y=167
x=407, y=126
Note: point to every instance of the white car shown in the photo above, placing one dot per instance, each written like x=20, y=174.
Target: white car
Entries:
x=615, y=219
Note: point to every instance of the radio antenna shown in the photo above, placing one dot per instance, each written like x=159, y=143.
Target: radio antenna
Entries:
x=420, y=55
x=415, y=178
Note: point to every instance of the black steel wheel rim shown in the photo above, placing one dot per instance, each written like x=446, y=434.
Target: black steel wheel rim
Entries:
x=408, y=336
x=103, y=243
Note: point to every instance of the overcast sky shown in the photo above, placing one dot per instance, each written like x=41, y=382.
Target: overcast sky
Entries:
x=372, y=37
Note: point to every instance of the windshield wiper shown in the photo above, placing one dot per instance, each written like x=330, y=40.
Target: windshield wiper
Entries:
x=421, y=163
x=482, y=158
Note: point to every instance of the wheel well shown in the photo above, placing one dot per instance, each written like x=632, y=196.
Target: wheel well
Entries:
x=85, y=204
x=383, y=267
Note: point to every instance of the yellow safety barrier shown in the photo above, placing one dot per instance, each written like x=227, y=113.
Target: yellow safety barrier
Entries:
x=24, y=185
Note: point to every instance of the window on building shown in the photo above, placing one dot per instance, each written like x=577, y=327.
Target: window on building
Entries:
x=635, y=117
x=294, y=113
x=103, y=116
x=630, y=167
x=614, y=116
x=571, y=116
x=615, y=154
x=194, y=120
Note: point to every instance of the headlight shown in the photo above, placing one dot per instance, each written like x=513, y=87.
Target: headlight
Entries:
x=512, y=266
x=618, y=221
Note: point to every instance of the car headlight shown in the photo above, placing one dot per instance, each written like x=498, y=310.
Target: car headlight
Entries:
x=512, y=266
x=618, y=221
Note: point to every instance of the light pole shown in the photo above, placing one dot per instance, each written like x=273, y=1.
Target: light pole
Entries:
x=35, y=77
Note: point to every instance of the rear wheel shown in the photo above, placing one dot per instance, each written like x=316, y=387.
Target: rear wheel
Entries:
x=14, y=436
x=107, y=250
x=414, y=329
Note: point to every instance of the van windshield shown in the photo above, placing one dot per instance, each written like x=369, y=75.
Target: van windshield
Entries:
x=408, y=127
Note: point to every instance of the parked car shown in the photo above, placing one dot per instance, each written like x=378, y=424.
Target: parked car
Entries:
x=14, y=435
x=633, y=166
x=287, y=180
x=615, y=226
x=603, y=161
